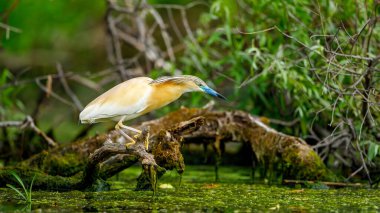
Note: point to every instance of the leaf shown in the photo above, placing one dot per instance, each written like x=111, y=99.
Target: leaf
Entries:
x=214, y=38
x=3, y=78
x=30, y=189
x=16, y=190
x=373, y=150
x=19, y=180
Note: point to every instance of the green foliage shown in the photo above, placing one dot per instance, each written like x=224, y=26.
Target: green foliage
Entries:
x=27, y=194
x=373, y=149
x=11, y=107
x=42, y=32
x=260, y=66
x=8, y=97
x=169, y=1
x=269, y=58
x=51, y=31
x=272, y=58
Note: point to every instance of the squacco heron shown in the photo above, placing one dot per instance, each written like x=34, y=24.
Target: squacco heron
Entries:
x=138, y=96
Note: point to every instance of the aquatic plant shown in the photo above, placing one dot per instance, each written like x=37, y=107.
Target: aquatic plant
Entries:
x=27, y=195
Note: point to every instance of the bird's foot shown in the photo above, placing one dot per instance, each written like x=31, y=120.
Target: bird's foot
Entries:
x=132, y=141
x=146, y=142
x=128, y=145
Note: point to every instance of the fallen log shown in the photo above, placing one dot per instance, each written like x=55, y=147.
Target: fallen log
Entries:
x=83, y=164
x=110, y=158
x=269, y=146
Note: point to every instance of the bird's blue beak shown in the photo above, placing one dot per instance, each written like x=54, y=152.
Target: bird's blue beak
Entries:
x=212, y=92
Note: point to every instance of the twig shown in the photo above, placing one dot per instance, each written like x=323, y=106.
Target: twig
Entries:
x=333, y=184
x=113, y=6
x=116, y=46
x=87, y=82
x=350, y=56
x=28, y=122
x=9, y=29
x=180, y=7
x=236, y=30
x=341, y=159
x=356, y=36
x=354, y=173
x=188, y=30
x=284, y=123
x=10, y=123
x=53, y=94
x=68, y=90
x=363, y=162
x=131, y=40
x=164, y=33
x=174, y=24
x=249, y=80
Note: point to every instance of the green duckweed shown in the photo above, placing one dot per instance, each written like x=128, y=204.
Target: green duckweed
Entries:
x=199, y=192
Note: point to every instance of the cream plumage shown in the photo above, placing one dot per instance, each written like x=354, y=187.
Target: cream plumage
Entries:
x=138, y=96
x=126, y=99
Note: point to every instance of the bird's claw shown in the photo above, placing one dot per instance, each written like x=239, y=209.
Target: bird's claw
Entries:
x=128, y=145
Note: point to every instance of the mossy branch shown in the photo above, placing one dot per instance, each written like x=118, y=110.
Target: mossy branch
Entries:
x=103, y=156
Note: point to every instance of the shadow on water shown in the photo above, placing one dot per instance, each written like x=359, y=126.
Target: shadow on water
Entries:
x=13, y=207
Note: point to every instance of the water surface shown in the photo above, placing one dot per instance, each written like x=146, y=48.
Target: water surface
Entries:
x=199, y=192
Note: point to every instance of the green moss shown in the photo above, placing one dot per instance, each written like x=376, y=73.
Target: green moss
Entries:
x=199, y=193
x=64, y=165
x=42, y=180
x=308, y=167
x=58, y=162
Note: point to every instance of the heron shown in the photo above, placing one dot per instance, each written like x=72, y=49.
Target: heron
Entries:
x=138, y=96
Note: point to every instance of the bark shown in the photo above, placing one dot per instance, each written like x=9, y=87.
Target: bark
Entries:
x=69, y=168
x=86, y=164
x=270, y=147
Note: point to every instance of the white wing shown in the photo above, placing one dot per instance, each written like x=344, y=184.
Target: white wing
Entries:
x=126, y=99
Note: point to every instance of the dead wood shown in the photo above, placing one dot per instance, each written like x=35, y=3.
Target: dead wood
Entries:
x=270, y=147
x=110, y=157
x=87, y=162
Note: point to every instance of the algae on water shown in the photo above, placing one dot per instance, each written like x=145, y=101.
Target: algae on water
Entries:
x=198, y=192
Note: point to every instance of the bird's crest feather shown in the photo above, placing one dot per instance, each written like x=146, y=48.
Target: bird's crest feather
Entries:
x=178, y=79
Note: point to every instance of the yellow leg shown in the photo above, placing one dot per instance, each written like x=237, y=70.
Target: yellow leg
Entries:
x=119, y=126
x=128, y=137
x=146, y=142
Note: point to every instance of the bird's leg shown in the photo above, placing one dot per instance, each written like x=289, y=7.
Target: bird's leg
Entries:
x=128, y=137
x=130, y=128
x=119, y=126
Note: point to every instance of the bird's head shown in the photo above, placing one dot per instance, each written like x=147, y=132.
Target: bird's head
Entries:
x=190, y=83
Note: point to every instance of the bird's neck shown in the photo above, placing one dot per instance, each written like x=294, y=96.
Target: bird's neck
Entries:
x=163, y=94
x=169, y=91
